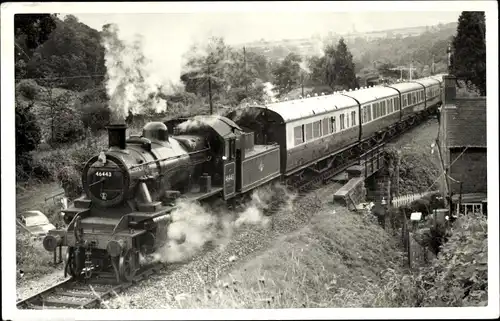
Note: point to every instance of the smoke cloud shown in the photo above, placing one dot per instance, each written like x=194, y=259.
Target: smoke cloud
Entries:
x=269, y=92
x=194, y=225
x=130, y=84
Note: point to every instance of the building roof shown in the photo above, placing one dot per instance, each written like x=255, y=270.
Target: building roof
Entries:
x=466, y=122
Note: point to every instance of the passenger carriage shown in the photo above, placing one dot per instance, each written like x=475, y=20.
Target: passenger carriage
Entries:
x=379, y=109
x=412, y=98
x=306, y=129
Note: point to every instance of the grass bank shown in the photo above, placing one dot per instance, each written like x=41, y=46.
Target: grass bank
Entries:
x=334, y=261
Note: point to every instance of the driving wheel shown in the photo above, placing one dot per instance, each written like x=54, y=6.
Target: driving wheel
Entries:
x=127, y=265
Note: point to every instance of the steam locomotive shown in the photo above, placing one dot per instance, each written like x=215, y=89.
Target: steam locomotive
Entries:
x=131, y=188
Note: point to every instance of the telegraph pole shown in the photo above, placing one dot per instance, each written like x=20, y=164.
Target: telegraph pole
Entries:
x=245, y=63
x=432, y=66
x=210, y=90
x=302, y=82
x=411, y=68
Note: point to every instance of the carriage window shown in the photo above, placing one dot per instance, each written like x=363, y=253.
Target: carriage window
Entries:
x=317, y=129
x=353, y=118
x=347, y=121
x=334, y=125
x=309, y=132
x=383, y=112
x=298, y=133
x=409, y=99
x=326, y=126
x=369, y=113
x=342, y=121
x=414, y=98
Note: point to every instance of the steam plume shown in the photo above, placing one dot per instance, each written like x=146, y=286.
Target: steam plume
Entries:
x=129, y=83
x=194, y=225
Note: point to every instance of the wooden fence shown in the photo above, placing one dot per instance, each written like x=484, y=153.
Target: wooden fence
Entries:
x=408, y=198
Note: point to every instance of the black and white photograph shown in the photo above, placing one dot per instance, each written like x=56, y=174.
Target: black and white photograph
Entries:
x=262, y=160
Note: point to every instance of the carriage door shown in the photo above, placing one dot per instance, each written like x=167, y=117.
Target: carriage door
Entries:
x=229, y=168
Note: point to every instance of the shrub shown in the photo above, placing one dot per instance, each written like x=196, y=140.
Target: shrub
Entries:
x=95, y=115
x=28, y=135
x=28, y=88
x=32, y=258
x=68, y=129
x=459, y=277
x=70, y=180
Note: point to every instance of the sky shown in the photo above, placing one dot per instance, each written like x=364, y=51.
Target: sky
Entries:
x=244, y=27
x=167, y=36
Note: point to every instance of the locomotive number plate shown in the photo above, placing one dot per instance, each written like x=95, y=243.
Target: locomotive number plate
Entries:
x=229, y=178
x=104, y=174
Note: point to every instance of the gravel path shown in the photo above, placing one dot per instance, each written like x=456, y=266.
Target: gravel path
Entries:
x=166, y=289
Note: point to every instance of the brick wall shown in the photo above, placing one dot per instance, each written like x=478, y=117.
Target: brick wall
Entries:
x=471, y=169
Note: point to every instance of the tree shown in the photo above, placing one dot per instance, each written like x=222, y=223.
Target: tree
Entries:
x=469, y=50
x=287, y=73
x=28, y=134
x=65, y=122
x=226, y=75
x=70, y=55
x=317, y=67
x=30, y=31
x=205, y=68
x=340, y=68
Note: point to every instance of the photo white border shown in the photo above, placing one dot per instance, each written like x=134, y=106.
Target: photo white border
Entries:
x=8, y=10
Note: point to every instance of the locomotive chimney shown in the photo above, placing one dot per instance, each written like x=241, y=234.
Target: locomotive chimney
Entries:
x=116, y=135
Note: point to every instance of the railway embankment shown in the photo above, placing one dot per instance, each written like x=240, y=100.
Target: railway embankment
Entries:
x=339, y=258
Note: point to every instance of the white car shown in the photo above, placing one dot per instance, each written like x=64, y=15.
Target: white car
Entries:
x=35, y=223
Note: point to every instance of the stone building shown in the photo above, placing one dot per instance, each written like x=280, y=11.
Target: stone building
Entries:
x=462, y=148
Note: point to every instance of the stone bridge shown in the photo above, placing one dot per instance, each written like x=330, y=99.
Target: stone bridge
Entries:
x=354, y=192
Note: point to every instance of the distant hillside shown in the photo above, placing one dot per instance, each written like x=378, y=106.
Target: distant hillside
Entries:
x=372, y=49
x=314, y=45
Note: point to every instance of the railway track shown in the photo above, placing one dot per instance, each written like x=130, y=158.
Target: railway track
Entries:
x=76, y=294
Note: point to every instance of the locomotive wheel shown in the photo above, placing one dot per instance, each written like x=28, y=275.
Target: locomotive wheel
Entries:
x=127, y=265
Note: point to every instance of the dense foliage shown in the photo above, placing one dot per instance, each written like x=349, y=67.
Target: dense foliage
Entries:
x=28, y=135
x=458, y=277
x=70, y=55
x=469, y=50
